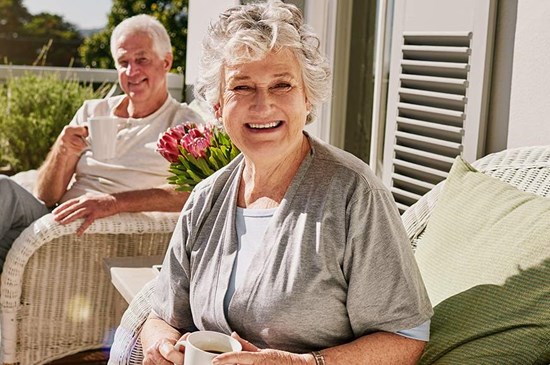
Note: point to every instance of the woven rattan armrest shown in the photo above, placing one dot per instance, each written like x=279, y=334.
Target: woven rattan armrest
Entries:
x=56, y=298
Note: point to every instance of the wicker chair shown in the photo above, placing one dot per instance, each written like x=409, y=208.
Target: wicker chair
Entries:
x=56, y=296
x=526, y=168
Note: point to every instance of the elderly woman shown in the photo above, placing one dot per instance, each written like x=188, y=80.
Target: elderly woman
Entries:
x=295, y=247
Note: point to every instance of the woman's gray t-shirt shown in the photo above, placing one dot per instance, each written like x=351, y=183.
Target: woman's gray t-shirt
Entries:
x=335, y=263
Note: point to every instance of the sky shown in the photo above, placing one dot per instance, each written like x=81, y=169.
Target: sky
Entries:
x=85, y=14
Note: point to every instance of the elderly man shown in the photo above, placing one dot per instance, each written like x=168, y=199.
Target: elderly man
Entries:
x=135, y=180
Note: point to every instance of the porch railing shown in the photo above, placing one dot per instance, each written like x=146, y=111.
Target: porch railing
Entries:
x=86, y=75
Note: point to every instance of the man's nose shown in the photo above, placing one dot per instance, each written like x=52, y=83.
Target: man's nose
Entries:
x=132, y=69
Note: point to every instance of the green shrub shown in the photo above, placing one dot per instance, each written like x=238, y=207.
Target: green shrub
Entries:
x=33, y=111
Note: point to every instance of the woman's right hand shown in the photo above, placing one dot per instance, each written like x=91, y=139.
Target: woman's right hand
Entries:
x=162, y=352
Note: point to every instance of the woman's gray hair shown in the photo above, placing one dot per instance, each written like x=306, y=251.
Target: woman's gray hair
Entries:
x=248, y=33
x=148, y=25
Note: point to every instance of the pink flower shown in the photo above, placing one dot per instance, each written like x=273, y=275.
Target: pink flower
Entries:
x=168, y=144
x=197, y=141
x=186, y=147
x=194, y=138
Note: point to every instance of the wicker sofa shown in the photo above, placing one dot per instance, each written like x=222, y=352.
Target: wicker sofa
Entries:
x=56, y=296
x=527, y=169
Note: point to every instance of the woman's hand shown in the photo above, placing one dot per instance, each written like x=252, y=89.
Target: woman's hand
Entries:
x=164, y=352
x=256, y=356
x=161, y=352
x=158, y=339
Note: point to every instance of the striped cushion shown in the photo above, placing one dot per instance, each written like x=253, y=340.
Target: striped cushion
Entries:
x=485, y=260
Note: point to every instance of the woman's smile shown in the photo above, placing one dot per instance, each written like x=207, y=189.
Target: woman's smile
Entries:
x=265, y=126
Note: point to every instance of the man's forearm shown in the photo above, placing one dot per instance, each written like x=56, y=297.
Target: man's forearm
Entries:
x=161, y=199
x=54, y=176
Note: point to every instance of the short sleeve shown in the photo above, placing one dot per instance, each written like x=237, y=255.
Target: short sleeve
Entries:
x=171, y=295
x=385, y=292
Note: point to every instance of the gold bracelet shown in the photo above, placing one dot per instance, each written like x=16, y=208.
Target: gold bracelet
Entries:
x=319, y=358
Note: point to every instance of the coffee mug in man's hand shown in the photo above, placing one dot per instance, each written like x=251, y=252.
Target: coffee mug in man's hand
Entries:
x=202, y=346
x=102, y=134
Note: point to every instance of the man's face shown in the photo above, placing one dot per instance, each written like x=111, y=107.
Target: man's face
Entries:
x=141, y=72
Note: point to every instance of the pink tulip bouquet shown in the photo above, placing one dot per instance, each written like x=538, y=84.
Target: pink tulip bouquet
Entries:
x=195, y=152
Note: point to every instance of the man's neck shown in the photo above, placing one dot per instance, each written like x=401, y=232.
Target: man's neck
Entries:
x=129, y=109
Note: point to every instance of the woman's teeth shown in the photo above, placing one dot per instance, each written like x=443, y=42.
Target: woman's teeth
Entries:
x=264, y=126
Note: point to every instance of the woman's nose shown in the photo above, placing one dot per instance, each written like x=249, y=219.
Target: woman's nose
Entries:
x=262, y=98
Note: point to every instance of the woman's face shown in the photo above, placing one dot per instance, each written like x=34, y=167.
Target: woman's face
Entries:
x=264, y=106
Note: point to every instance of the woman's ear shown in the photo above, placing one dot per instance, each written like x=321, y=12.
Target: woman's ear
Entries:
x=309, y=107
x=218, y=111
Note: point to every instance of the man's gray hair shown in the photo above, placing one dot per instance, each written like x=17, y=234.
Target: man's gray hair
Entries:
x=248, y=33
x=148, y=25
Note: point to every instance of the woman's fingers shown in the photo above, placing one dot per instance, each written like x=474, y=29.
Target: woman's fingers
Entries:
x=247, y=346
x=169, y=352
x=153, y=355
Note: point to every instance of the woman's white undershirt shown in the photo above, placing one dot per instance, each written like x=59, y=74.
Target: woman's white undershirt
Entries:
x=251, y=225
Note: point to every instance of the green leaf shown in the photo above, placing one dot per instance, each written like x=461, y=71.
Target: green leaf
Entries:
x=189, y=170
x=214, y=162
x=194, y=176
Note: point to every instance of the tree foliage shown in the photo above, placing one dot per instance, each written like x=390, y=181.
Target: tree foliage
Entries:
x=12, y=16
x=95, y=51
x=25, y=38
x=33, y=111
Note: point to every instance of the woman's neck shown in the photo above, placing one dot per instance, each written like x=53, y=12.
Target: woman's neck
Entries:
x=264, y=185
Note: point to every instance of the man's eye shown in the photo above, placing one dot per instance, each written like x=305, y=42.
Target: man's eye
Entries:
x=142, y=60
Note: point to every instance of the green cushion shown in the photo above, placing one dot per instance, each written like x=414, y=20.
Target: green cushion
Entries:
x=485, y=260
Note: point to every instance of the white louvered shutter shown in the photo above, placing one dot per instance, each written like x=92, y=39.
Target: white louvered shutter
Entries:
x=438, y=91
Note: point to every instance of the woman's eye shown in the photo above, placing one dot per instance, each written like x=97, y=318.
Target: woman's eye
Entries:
x=242, y=89
x=282, y=86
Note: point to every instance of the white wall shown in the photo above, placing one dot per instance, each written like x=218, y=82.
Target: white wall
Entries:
x=322, y=16
x=201, y=14
x=529, y=122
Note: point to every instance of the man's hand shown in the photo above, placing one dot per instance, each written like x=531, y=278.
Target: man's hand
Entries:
x=56, y=172
x=72, y=140
x=89, y=207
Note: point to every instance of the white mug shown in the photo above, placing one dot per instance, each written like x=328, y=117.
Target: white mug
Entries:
x=202, y=346
x=102, y=135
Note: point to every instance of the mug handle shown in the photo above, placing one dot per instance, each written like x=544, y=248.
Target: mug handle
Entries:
x=179, y=345
x=87, y=140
